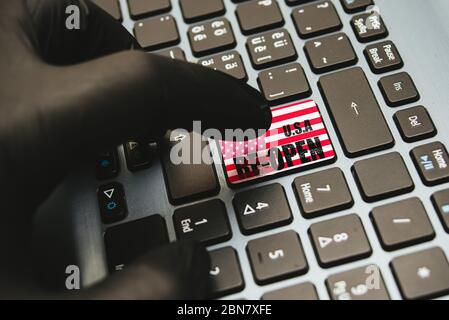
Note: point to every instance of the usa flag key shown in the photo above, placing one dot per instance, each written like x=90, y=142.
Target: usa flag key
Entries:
x=296, y=139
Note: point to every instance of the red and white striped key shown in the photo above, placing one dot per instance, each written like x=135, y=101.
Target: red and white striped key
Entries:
x=297, y=138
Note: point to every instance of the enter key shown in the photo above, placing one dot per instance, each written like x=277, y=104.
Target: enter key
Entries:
x=360, y=124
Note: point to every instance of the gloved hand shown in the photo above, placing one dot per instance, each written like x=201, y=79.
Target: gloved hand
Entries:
x=57, y=88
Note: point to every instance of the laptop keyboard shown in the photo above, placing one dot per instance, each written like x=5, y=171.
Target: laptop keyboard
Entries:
x=358, y=120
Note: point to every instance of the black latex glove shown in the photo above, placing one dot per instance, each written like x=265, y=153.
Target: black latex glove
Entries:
x=58, y=89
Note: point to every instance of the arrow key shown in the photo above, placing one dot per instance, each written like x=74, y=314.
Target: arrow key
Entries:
x=111, y=199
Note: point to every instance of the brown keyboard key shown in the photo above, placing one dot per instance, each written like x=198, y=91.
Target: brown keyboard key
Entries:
x=441, y=203
x=110, y=6
x=262, y=209
x=225, y=273
x=415, y=124
x=398, y=89
x=316, y=19
x=228, y=62
x=143, y=8
x=173, y=53
x=285, y=83
x=257, y=16
x=432, y=163
x=211, y=36
x=126, y=242
x=355, y=112
x=382, y=177
x=322, y=193
x=187, y=182
x=422, y=275
x=197, y=10
x=365, y=283
x=383, y=57
x=276, y=257
x=369, y=27
x=402, y=224
x=271, y=48
x=330, y=53
x=351, y=6
x=339, y=240
x=303, y=291
x=206, y=222
x=157, y=33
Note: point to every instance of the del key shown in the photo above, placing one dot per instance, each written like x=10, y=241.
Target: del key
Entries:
x=355, y=112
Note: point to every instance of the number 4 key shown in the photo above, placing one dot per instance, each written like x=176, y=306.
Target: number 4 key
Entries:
x=251, y=210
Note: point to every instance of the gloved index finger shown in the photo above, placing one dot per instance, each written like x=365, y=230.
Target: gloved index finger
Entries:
x=143, y=94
